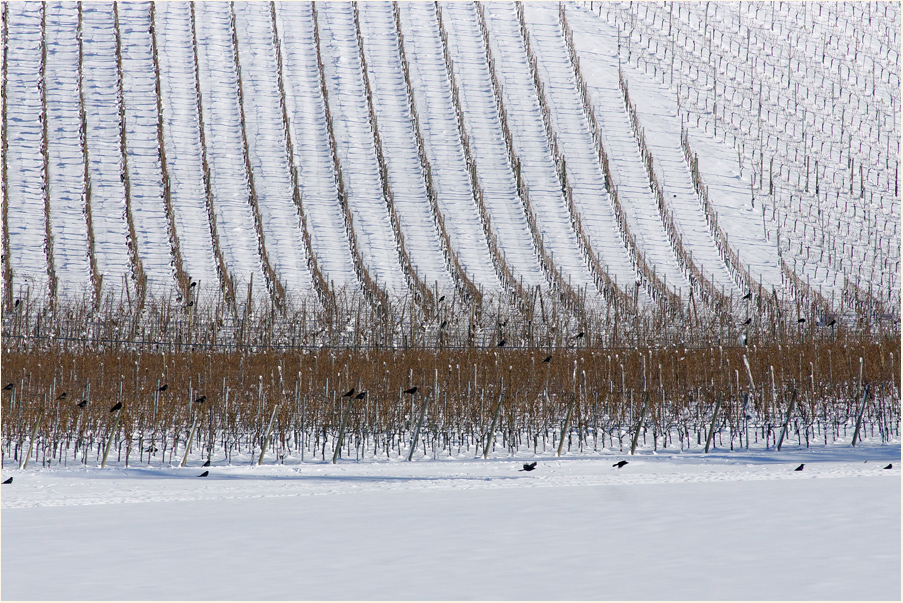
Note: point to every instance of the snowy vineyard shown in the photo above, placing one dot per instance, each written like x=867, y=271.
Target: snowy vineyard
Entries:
x=419, y=404
x=607, y=158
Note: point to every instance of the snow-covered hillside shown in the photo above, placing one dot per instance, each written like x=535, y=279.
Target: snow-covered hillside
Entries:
x=448, y=148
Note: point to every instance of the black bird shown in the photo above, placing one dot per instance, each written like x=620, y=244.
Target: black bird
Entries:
x=201, y=400
x=502, y=343
x=82, y=404
x=117, y=407
x=579, y=335
x=163, y=388
x=62, y=396
x=747, y=321
x=529, y=466
x=204, y=474
x=748, y=295
x=831, y=324
x=444, y=322
x=16, y=305
x=191, y=303
x=411, y=390
x=619, y=464
x=150, y=449
x=800, y=468
x=361, y=396
x=548, y=359
x=193, y=284
x=890, y=466
x=800, y=320
x=9, y=481
x=207, y=464
x=349, y=393
x=441, y=298
x=8, y=387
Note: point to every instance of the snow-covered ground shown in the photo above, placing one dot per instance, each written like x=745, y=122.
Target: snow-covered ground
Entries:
x=727, y=525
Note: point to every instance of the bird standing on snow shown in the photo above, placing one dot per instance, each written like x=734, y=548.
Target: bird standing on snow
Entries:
x=9, y=481
x=800, y=468
x=529, y=466
x=619, y=464
x=890, y=466
x=204, y=474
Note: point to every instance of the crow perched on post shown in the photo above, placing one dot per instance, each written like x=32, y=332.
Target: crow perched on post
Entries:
x=619, y=464
x=411, y=390
x=747, y=296
x=548, y=359
x=117, y=407
x=163, y=387
x=349, y=393
x=529, y=466
x=800, y=468
x=502, y=343
x=361, y=396
x=62, y=396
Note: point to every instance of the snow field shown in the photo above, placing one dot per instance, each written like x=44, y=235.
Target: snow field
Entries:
x=674, y=526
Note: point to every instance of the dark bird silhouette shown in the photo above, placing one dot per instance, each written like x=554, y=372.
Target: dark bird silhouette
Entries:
x=748, y=295
x=82, y=404
x=441, y=298
x=191, y=303
x=150, y=449
x=890, y=466
x=62, y=396
x=548, y=359
x=831, y=324
x=444, y=322
x=619, y=464
x=163, y=388
x=579, y=335
x=529, y=466
x=411, y=390
x=204, y=474
x=9, y=481
x=800, y=320
x=207, y=464
x=201, y=400
x=16, y=305
x=349, y=393
x=193, y=284
x=117, y=407
x=8, y=387
x=800, y=468
x=361, y=396
x=747, y=321
x=502, y=343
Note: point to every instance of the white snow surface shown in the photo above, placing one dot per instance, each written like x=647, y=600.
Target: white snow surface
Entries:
x=673, y=525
